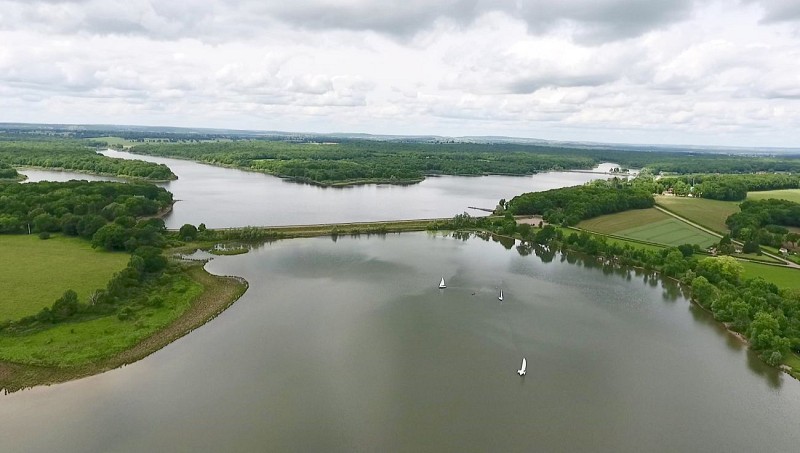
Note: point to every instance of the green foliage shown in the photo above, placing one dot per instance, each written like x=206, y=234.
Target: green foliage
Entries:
x=728, y=187
x=570, y=205
x=764, y=221
x=188, y=232
x=74, y=155
x=7, y=171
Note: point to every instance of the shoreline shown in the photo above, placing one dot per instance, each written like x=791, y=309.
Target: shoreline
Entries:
x=219, y=293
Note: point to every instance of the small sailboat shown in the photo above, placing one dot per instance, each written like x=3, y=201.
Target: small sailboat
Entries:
x=442, y=285
x=501, y=296
x=521, y=371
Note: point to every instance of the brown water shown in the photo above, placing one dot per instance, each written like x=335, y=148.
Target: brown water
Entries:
x=349, y=346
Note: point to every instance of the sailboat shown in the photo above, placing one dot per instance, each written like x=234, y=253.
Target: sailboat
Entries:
x=521, y=371
x=501, y=296
x=442, y=285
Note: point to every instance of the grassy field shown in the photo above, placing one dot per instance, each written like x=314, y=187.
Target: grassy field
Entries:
x=614, y=223
x=784, y=277
x=708, y=213
x=787, y=194
x=650, y=225
x=35, y=272
x=670, y=232
x=72, y=344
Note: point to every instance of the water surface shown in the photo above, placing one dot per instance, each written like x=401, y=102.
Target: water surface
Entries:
x=350, y=346
x=225, y=197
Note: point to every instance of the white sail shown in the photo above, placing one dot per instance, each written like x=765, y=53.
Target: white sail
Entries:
x=521, y=371
x=441, y=284
x=501, y=296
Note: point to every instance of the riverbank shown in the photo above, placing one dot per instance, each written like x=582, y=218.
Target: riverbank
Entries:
x=218, y=294
x=93, y=173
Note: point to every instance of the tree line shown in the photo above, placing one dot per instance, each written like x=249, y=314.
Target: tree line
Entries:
x=570, y=205
x=727, y=187
x=764, y=222
x=76, y=155
x=353, y=161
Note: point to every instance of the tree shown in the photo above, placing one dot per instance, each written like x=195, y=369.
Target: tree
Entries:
x=110, y=237
x=188, y=232
x=703, y=291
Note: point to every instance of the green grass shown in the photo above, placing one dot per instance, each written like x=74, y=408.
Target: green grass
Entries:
x=614, y=223
x=784, y=277
x=786, y=194
x=708, y=213
x=35, y=272
x=671, y=232
x=78, y=343
x=649, y=225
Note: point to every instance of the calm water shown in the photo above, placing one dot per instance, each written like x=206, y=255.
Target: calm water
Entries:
x=349, y=346
x=37, y=175
x=224, y=197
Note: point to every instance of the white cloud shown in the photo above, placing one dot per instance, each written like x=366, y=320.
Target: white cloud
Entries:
x=722, y=71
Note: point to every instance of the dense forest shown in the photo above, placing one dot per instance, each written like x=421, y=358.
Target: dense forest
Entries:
x=353, y=161
x=76, y=208
x=727, y=187
x=7, y=171
x=764, y=222
x=367, y=161
x=570, y=205
x=75, y=155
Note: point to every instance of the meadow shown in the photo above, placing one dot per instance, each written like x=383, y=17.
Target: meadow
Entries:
x=708, y=213
x=78, y=343
x=784, y=277
x=35, y=272
x=786, y=194
x=649, y=225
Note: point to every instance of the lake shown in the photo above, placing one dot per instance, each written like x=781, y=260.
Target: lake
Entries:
x=348, y=345
x=224, y=197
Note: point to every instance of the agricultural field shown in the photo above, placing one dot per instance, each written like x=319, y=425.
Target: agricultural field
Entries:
x=708, y=213
x=650, y=225
x=614, y=223
x=784, y=277
x=786, y=194
x=670, y=232
x=35, y=272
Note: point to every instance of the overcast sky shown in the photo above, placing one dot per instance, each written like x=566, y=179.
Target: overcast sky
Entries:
x=638, y=71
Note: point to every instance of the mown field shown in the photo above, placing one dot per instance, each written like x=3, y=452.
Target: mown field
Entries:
x=670, y=232
x=614, y=223
x=786, y=194
x=708, y=213
x=650, y=225
x=35, y=272
x=784, y=277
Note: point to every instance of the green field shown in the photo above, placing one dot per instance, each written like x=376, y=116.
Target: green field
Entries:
x=78, y=343
x=614, y=223
x=784, y=277
x=35, y=272
x=786, y=194
x=708, y=213
x=649, y=225
x=670, y=232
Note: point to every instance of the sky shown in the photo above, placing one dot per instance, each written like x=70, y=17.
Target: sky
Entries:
x=699, y=72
